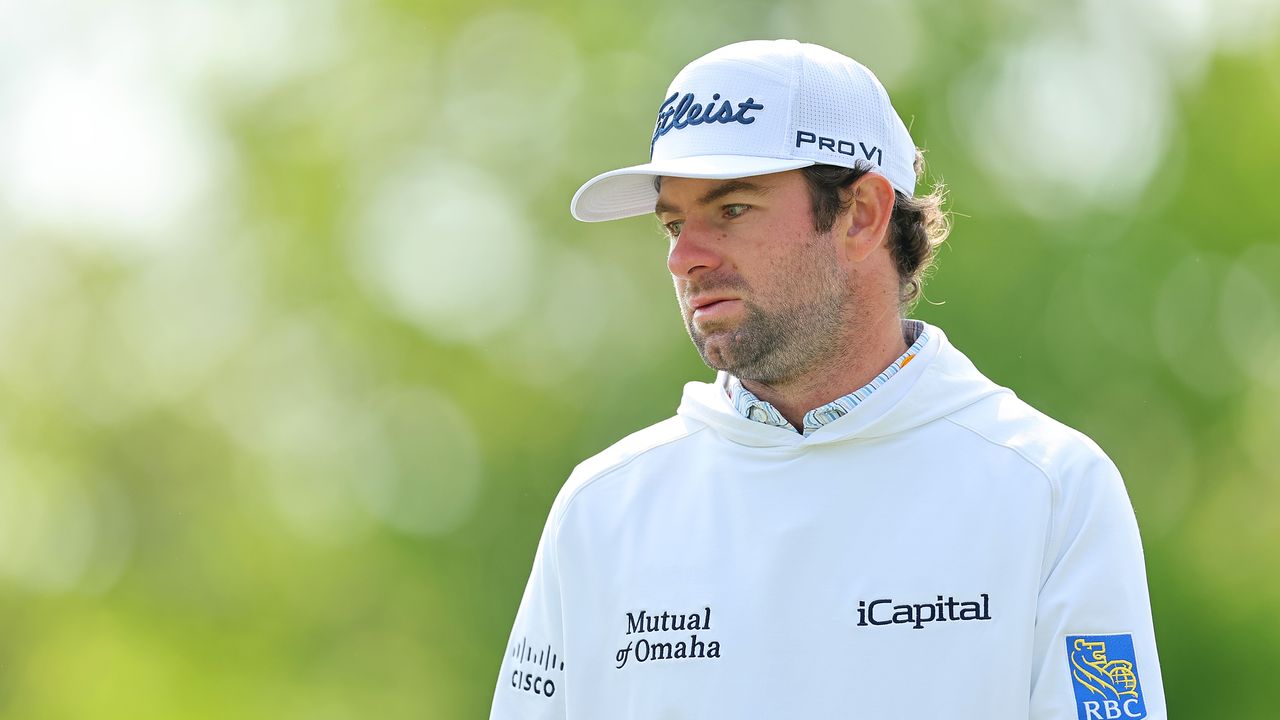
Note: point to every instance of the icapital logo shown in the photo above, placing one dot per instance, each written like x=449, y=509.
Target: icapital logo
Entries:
x=884, y=612
x=690, y=647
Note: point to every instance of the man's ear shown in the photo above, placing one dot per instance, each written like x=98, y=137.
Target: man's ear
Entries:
x=866, y=222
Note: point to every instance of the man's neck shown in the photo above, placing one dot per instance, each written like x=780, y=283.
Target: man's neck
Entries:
x=866, y=358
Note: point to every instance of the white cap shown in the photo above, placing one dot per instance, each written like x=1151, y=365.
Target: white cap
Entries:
x=759, y=107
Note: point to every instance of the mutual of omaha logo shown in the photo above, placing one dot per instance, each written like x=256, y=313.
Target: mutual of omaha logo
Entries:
x=1104, y=671
x=668, y=636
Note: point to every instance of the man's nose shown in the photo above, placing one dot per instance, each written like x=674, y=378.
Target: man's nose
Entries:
x=695, y=250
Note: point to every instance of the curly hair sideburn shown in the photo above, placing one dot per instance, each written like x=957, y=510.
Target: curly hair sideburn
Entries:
x=917, y=227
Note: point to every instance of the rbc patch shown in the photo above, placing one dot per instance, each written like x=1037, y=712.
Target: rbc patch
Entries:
x=1104, y=672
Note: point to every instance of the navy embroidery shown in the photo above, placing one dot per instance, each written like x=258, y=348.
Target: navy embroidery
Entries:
x=680, y=111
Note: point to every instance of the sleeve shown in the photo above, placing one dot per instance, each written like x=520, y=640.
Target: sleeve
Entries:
x=531, y=682
x=1094, y=645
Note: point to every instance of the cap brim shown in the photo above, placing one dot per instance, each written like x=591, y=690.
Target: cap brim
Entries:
x=629, y=191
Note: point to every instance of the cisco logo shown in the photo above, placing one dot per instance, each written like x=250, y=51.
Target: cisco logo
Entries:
x=534, y=669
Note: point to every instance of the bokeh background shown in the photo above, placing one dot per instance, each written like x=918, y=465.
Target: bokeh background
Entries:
x=298, y=340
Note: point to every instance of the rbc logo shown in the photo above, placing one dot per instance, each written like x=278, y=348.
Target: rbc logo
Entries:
x=1104, y=672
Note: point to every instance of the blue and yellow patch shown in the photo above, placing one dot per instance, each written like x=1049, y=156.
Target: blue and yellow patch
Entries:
x=1104, y=672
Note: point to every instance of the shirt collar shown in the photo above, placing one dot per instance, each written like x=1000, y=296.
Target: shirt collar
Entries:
x=753, y=408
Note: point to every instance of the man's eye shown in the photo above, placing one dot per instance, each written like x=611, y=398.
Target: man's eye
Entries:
x=735, y=210
x=674, y=227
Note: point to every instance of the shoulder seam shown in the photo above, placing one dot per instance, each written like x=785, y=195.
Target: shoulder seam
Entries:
x=1054, y=494
x=1006, y=446
x=613, y=468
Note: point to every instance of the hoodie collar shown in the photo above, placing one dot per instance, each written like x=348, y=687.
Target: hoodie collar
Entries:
x=938, y=381
x=753, y=408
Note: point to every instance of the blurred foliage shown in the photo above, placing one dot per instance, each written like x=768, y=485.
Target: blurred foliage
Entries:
x=298, y=340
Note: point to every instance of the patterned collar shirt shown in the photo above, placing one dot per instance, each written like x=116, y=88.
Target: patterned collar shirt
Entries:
x=753, y=408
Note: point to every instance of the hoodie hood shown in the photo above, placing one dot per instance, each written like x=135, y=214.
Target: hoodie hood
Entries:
x=939, y=381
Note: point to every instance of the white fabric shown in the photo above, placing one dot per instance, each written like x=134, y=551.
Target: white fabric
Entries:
x=940, y=487
x=814, y=106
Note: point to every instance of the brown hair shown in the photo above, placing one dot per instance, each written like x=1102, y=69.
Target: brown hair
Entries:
x=917, y=227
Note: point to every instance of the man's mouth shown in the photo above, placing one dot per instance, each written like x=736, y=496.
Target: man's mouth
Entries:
x=709, y=307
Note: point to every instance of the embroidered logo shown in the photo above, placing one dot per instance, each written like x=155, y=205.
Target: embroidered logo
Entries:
x=1104, y=672
x=844, y=147
x=535, y=670
x=681, y=111
x=917, y=615
x=661, y=645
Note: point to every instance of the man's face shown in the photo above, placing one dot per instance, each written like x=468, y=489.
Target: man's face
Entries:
x=764, y=296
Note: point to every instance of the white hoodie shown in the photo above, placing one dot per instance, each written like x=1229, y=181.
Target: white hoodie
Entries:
x=942, y=551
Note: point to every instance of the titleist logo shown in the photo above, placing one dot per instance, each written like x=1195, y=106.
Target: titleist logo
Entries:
x=680, y=111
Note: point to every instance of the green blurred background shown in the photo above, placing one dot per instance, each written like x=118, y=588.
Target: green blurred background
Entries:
x=298, y=340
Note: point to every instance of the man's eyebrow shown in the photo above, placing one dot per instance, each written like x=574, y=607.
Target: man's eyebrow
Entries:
x=717, y=192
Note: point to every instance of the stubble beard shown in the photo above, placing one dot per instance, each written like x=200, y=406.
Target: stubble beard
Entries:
x=775, y=346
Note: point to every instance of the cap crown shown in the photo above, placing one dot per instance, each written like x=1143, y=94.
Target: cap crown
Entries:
x=783, y=99
x=754, y=108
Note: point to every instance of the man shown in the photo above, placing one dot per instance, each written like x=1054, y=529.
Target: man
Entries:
x=851, y=521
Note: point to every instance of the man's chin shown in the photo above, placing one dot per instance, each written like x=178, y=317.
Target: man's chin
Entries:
x=718, y=350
